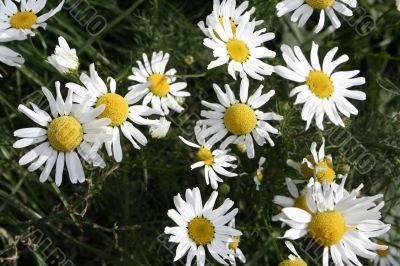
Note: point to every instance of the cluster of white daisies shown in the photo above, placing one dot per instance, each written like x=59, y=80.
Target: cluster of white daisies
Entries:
x=94, y=115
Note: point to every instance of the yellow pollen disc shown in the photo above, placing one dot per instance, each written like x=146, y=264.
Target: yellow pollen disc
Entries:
x=320, y=84
x=201, y=231
x=383, y=253
x=159, y=85
x=327, y=228
x=260, y=176
x=117, y=108
x=23, y=20
x=320, y=4
x=301, y=203
x=205, y=155
x=234, y=245
x=65, y=133
x=327, y=175
x=240, y=119
x=295, y=262
x=233, y=27
x=238, y=51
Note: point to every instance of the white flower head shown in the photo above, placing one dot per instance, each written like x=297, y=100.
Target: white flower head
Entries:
x=258, y=178
x=200, y=227
x=324, y=92
x=294, y=259
x=318, y=164
x=339, y=221
x=157, y=86
x=64, y=58
x=17, y=23
x=121, y=110
x=303, y=9
x=234, y=246
x=214, y=161
x=9, y=57
x=240, y=119
x=67, y=132
x=390, y=256
x=229, y=8
x=242, y=50
x=160, y=131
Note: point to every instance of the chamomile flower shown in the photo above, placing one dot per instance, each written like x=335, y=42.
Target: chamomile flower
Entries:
x=160, y=131
x=214, y=162
x=17, y=23
x=240, y=119
x=318, y=164
x=340, y=222
x=388, y=257
x=258, y=178
x=122, y=111
x=9, y=57
x=323, y=91
x=157, y=86
x=200, y=227
x=241, y=50
x=69, y=131
x=228, y=8
x=297, y=199
x=293, y=259
x=64, y=58
x=303, y=9
x=234, y=246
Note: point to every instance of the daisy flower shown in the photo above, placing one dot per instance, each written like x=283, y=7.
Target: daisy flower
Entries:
x=228, y=8
x=241, y=50
x=293, y=259
x=316, y=165
x=323, y=91
x=303, y=9
x=160, y=131
x=200, y=227
x=234, y=246
x=64, y=58
x=214, y=162
x=258, y=178
x=19, y=22
x=69, y=131
x=340, y=222
x=157, y=86
x=11, y=58
x=241, y=120
x=120, y=110
x=297, y=199
x=388, y=257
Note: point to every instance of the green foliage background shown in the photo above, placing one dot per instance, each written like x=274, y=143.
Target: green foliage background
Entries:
x=118, y=216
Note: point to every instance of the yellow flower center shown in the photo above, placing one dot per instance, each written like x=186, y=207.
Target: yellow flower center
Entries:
x=65, y=133
x=201, y=231
x=238, y=51
x=307, y=172
x=260, y=176
x=295, y=262
x=301, y=203
x=383, y=253
x=234, y=245
x=23, y=20
x=116, y=110
x=205, y=155
x=320, y=4
x=320, y=84
x=233, y=27
x=240, y=119
x=327, y=228
x=327, y=175
x=159, y=85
